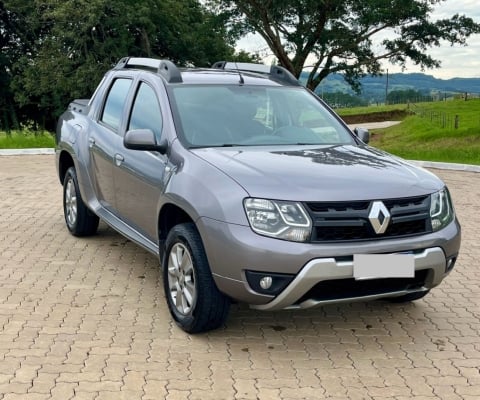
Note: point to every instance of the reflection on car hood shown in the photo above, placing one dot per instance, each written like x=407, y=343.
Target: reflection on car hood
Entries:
x=327, y=173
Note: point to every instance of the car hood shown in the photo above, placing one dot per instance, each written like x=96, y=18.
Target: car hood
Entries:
x=327, y=173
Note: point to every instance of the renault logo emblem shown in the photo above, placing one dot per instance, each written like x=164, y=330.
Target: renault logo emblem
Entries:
x=379, y=217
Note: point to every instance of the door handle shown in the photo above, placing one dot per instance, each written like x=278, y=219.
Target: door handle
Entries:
x=118, y=159
x=91, y=142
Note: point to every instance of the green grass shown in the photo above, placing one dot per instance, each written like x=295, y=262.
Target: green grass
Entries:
x=370, y=109
x=26, y=139
x=418, y=138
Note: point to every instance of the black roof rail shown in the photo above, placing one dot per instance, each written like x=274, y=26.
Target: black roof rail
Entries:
x=275, y=72
x=166, y=68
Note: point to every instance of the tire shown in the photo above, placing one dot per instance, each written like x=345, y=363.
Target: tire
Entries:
x=193, y=299
x=409, y=297
x=79, y=219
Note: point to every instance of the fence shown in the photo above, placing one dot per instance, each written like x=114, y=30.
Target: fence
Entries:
x=447, y=96
x=439, y=118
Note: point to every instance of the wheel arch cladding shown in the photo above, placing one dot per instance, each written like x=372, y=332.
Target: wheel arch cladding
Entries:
x=65, y=162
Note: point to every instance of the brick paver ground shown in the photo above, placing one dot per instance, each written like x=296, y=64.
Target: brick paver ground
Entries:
x=86, y=319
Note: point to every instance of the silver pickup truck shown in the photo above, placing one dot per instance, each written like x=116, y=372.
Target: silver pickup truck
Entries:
x=249, y=188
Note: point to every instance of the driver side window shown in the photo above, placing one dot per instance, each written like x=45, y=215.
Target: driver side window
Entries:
x=146, y=113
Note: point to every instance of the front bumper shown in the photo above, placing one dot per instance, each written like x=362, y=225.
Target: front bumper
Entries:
x=432, y=261
x=233, y=249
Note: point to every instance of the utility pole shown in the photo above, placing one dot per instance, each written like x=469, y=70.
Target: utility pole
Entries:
x=386, y=89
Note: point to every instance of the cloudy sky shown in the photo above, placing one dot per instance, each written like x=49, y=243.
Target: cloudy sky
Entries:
x=457, y=61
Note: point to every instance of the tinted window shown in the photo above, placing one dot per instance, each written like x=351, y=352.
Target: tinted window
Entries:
x=112, y=112
x=146, y=111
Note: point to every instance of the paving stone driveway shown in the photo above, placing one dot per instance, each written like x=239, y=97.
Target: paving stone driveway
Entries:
x=86, y=319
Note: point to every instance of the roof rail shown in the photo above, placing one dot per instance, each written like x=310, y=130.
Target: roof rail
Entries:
x=166, y=68
x=275, y=72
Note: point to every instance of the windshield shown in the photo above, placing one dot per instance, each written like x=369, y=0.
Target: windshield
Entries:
x=216, y=116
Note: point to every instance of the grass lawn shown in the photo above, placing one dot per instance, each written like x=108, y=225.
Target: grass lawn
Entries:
x=370, y=109
x=26, y=139
x=416, y=138
x=421, y=138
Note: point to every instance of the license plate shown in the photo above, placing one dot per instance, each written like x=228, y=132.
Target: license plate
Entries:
x=372, y=266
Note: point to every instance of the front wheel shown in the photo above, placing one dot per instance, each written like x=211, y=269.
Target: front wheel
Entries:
x=79, y=219
x=193, y=299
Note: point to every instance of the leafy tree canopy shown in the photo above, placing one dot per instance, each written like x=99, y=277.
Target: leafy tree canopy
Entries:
x=342, y=100
x=348, y=36
x=53, y=51
x=404, y=96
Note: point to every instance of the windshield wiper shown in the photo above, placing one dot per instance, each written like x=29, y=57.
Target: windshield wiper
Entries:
x=256, y=144
x=203, y=146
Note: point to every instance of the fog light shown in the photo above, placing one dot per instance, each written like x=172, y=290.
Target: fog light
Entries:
x=266, y=282
x=271, y=284
x=451, y=263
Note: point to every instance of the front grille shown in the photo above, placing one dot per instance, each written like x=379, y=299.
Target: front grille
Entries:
x=348, y=221
x=348, y=288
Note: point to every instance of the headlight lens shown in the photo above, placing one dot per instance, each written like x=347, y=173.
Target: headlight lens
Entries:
x=279, y=219
x=441, y=209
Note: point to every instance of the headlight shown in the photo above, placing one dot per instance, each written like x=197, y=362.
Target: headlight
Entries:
x=441, y=209
x=279, y=219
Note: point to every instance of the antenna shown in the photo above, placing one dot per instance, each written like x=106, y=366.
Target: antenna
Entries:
x=242, y=82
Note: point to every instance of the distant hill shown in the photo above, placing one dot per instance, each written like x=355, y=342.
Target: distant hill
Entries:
x=373, y=88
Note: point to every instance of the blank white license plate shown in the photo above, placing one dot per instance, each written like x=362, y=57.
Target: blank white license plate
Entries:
x=372, y=266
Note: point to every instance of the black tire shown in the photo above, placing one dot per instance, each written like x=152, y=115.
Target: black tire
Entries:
x=193, y=299
x=79, y=219
x=409, y=297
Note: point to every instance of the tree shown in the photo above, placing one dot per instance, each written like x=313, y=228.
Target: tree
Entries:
x=12, y=47
x=343, y=100
x=405, y=96
x=340, y=36
x=66, y=46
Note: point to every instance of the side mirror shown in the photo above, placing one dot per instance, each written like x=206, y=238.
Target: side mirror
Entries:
x=143, y=139
x=363, y=134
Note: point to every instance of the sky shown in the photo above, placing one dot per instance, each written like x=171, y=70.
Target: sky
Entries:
x=456, y=61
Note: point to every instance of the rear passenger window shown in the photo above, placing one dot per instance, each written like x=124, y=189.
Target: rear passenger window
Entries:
x=146, y=112
x=112, y=112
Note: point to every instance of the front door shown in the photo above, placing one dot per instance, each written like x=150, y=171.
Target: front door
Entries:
x=139, y=175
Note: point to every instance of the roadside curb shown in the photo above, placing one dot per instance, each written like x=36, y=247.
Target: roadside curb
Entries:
x=23, y=152
x=449, y=166
x=426, y=164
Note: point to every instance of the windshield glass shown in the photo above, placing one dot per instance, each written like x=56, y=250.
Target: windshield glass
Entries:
x=213, y=116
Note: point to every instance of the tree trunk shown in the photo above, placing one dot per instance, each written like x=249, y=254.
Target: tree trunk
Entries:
x=147, y=49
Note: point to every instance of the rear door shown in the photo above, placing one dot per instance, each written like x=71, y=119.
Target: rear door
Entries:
x=139, y=175
x=105, y=140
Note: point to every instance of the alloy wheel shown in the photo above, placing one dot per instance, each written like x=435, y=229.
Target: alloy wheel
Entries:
x=71, y=202
x=181, y=279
